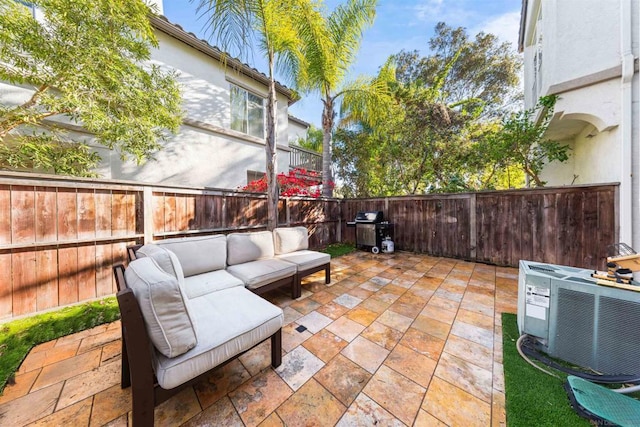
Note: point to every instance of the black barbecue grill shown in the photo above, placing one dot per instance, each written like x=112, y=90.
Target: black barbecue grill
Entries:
x=371, y=230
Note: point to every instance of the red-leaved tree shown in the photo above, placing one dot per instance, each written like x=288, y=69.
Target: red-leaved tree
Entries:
x=298, y=182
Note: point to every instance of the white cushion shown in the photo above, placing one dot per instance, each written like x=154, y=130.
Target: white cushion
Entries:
x=245, y=247
x=228, y=323
x=205, y=283
x=290, y=239
x=163, y=309
x=166, y=259
x=255, y=274
x=198, y=254
x=306, y=259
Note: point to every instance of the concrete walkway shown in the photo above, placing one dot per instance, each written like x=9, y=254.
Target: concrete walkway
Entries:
x=399, y=339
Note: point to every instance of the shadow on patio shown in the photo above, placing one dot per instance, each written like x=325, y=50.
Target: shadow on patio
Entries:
x=400, y=339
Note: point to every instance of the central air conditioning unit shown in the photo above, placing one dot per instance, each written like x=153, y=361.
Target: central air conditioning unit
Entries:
x=574, y=319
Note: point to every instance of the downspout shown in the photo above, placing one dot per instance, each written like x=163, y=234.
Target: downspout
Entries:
x=626, y=125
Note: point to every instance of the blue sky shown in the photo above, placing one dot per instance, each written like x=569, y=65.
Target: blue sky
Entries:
x=399, y=25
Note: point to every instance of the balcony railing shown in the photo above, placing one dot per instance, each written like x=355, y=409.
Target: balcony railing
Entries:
x=306, y=159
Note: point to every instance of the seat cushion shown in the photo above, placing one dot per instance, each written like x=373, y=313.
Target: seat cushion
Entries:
x=245, y=247
x=227, y=323
x=255, y=274
x=306, y=259
x=164, y=311
x=290, y=239
x=205, y=283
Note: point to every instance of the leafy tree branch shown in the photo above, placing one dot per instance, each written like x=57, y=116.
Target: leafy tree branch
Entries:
x=84, y=62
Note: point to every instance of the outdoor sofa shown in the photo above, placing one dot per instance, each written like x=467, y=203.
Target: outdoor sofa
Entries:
x=262, y=260
x=190, y=305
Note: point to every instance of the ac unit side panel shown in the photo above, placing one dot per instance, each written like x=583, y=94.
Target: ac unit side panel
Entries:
x=572, y=324
x=618, y=333
x=533, y=305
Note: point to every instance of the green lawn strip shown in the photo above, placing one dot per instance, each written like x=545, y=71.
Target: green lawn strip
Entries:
x=338, y=249
x=533, y=398
x=19, y=336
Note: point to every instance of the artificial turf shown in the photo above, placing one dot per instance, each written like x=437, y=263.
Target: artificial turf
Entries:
x=533, y=398
x=17, y=337
x=338, y=249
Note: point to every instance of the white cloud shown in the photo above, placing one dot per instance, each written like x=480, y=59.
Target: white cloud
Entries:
x=453, y=12
x=505, y=27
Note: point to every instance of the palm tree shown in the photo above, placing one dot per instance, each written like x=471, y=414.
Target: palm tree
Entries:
x=234, y=23
x=330, y=47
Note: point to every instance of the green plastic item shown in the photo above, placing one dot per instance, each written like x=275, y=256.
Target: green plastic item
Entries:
x=602, y=405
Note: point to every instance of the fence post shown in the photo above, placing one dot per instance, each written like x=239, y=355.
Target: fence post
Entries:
x=473, y=238
x=339, y=230
x=147, y=213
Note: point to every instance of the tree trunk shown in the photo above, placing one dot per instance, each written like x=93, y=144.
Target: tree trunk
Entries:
x=328, y=115
x=270, y=149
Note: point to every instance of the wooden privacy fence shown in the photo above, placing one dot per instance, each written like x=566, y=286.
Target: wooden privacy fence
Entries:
x=562, y=225
x=60, y=237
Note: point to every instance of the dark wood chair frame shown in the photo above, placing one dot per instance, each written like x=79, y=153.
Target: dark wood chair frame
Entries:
x=137, y=367
x=327, y=276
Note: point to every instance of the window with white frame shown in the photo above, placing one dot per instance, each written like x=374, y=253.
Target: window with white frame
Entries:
x=247, y=112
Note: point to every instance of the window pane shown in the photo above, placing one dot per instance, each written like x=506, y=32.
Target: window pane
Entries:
x=256, y=116
x=238, y=109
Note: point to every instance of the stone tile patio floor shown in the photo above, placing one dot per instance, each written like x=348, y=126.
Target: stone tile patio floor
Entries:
x=396, y=339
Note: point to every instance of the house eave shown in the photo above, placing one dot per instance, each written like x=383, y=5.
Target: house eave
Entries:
x=161, y=23
x=523, y=23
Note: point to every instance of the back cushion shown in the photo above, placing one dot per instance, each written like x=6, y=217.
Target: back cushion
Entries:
x=167, y=260
x=198, y=254
x=165, y=315
x=290, y=239
x=245, y=247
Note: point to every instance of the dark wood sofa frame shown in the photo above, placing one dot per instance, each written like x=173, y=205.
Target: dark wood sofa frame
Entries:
x=137, y=367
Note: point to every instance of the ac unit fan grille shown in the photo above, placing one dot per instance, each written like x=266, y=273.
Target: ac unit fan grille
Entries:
x=618, y=336
x=574, y=328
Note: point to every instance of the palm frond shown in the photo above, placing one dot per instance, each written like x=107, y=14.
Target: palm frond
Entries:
x=369, y=100
x=346, y=25
x=229, y=22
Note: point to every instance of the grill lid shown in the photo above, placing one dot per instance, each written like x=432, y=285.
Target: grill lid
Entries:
x=369, y=217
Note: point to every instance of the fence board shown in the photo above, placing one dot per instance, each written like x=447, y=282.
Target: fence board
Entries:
x=550, y=241
x=22, y=214
x=86, y=214
x=47, y=279
x=103, y=213
x=5, y=215
x=23, y=265
x=103, y=263
x=86, y=272
x=46, y=215
x=68, y=279
x=6, y=291
x=67, y=214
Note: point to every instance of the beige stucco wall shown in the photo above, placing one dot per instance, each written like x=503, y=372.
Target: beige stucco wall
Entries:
x=296, y=131
x=205, y=152
x=589, y=49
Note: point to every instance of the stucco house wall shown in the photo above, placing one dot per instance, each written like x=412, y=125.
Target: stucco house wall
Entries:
x=297, y=129
x=206, y=151
x=586, y=52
